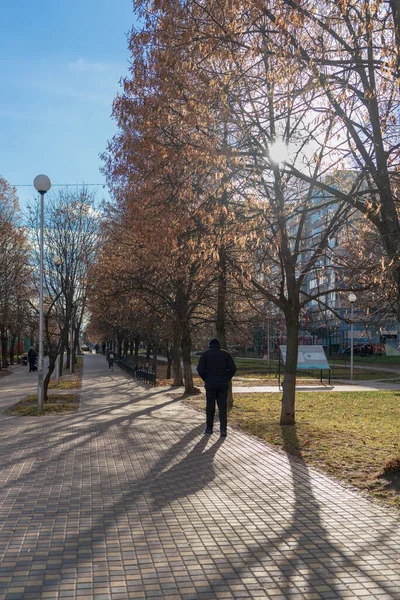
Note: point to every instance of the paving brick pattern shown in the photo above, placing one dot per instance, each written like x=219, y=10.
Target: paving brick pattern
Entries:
x=127, y=499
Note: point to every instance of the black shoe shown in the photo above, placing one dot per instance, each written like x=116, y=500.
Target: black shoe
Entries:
x=208, y=430
x=223, y=433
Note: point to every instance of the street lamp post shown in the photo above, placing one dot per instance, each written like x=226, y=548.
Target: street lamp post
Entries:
x=42, y=184
x=352, y=299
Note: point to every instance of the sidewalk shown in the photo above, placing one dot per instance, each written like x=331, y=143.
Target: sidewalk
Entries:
x=16, y=385
x=342, y=386
x=129, y=500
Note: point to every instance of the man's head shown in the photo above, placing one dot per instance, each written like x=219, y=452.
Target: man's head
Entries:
x=214, y=343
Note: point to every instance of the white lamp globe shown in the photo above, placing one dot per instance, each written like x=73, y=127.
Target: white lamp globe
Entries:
x=352, y=297
x=42, y=183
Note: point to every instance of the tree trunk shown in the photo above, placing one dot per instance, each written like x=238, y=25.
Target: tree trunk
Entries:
x=148, y=352
x=221, y=312
x=12, y=350
x=169, y=360
x=289, y=380
x=67, y=364
x=176, y=361
x=396, y=277
x=154, y=361
x=137, y=341
x=186, y=345
x=62, y=350
x=4, y=351
x=77, y=346
x=46, y=380
x=119, y=343
x=73, y=357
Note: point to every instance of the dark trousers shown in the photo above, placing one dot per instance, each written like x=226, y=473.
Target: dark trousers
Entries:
x=220, y=396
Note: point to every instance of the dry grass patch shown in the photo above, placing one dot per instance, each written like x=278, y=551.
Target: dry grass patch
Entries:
x=67, y=382
x=53, y=405
x=343, y=372
x=354, y=436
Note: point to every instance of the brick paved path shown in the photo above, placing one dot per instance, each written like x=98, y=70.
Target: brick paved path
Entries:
x=129, y=500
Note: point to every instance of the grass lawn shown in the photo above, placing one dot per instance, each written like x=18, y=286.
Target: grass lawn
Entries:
x=262, y=373
x=375, y=360
x=354, y=436
x=259, y=368
x=342, y=372
x=54, y=405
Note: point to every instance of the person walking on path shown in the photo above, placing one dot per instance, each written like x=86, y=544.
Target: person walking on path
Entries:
x=216, y=368
x=110, y=359
x=32, y=359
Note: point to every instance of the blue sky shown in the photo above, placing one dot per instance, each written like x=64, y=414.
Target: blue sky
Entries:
x=60, y=66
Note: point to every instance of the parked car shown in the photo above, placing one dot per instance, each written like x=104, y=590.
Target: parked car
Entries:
x=359, y=349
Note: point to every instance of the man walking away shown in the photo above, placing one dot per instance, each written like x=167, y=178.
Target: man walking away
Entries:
x=110, y=358
x=216, y=368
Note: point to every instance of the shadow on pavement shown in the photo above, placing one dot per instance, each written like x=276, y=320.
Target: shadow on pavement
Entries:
x=191, y=474
x=301, y=558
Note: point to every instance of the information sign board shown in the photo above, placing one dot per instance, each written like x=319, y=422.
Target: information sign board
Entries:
x=309, y=358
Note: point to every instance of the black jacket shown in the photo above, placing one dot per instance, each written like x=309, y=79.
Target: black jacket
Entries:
x=216, y=368
x=32, y=355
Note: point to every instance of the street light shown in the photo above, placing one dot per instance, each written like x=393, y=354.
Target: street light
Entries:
x=352, y=299
x=42, y=184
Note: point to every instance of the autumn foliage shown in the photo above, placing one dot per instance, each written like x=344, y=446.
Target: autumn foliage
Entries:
x=205, y=213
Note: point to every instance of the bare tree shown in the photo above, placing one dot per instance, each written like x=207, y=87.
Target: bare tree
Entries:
x=70, y=243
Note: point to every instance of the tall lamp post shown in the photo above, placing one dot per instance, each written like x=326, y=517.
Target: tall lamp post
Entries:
x=352, y=299
x=42, y=184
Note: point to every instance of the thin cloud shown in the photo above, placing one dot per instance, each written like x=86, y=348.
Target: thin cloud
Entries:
x=81, y=65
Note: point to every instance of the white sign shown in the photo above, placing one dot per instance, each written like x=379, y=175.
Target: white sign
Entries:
x=309, y=358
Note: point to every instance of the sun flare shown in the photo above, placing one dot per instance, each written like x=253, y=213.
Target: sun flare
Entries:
x=278, y=151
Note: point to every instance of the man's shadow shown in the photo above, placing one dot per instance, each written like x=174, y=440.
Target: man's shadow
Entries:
x=193, y=473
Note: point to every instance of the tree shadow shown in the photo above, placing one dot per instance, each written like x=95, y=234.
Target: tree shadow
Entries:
x=292, y=538
x=191, y=474
x=79, y=434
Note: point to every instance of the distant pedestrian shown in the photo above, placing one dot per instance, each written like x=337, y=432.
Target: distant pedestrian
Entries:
x=32, y=357
x=110, y=358
x=216, y=368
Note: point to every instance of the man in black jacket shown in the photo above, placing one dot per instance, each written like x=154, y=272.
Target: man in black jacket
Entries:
x=216, y=368
x=32, y=357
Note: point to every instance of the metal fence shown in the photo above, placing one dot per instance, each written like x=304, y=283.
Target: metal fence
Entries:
x=138, y=372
